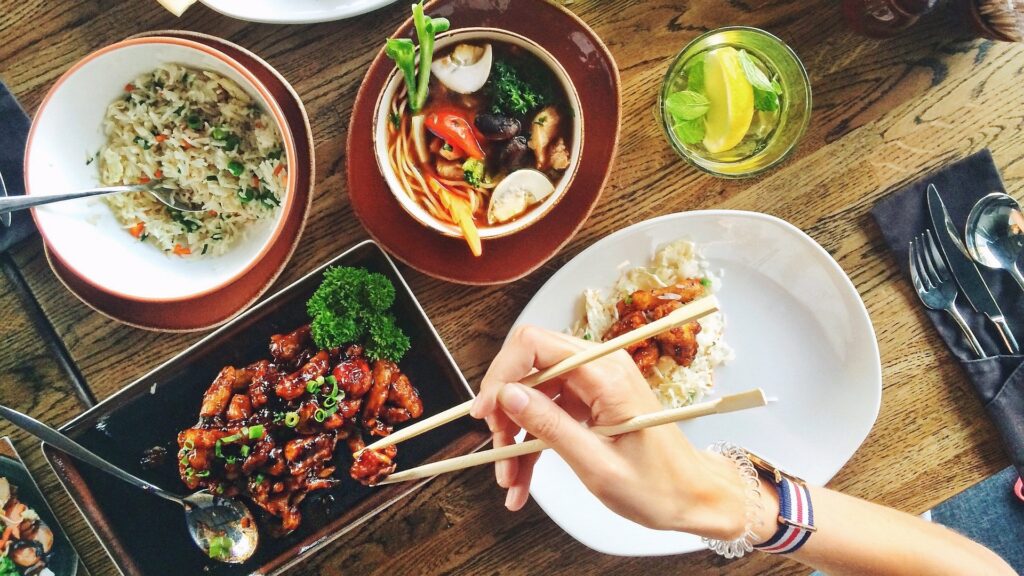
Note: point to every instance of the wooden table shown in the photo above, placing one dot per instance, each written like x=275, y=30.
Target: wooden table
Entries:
x=885, y=112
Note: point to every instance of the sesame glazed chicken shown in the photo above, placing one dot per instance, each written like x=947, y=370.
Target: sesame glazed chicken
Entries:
x=645, y=306
x=269, y=431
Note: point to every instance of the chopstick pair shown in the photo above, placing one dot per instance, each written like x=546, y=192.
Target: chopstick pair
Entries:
x=694, y=310
x=749, y=399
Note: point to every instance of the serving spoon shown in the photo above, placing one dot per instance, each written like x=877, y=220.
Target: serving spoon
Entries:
x=209, y=518
x=166, y=196
x=994, y=236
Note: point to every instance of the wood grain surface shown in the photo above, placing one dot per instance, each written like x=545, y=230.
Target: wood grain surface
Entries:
x=885, y=112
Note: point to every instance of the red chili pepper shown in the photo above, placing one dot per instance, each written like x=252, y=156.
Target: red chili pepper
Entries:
x=143, y=179
x=161, y=137
x=159, y=174
x=451, y=125
x=129, y=87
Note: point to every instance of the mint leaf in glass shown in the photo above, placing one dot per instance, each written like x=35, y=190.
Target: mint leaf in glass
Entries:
x=690, y=131
x=686, y=105
x=755, y=75
x=695, y=76
x=766, y=101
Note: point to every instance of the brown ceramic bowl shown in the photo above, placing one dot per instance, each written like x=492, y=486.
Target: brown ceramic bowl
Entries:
x=588, y=64
x=146, y=535
x=207, y=311
x=534, y=213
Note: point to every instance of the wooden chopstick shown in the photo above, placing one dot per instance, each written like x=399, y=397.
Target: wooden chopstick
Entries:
x=687, y=313
x=742, y=401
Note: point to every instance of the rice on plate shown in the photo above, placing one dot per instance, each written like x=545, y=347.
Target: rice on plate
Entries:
x=674, y=266
x=203, y=136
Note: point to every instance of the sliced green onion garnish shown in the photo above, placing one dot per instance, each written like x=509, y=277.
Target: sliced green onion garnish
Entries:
x=291, y=419
x=258, y=478
x=330, y=402
x=220, y=547
x=256, y=432
x=245, y=451
x=217, y=449
x=319, y=415
x=189, y=445
x=236, y=167
x=332, y=380
x=189, y=472
x=184, y=460
x=232, y=438
x=312, y=387
x=203, y=473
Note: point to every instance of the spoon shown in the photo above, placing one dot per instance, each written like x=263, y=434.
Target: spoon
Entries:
x=995, y=234
x=165, y=196
x=208, y=517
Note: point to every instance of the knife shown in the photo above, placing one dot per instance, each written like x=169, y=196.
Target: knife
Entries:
x=966, y=273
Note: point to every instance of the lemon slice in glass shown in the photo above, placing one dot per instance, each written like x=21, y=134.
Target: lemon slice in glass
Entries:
x=731, y=99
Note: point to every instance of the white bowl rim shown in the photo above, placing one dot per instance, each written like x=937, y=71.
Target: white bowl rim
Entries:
x=533, y=215
x=288, y=139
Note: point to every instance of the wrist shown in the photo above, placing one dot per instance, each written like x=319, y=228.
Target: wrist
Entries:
x=719, y=508
x=769, y=516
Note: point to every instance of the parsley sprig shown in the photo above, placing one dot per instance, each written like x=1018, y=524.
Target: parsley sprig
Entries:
x=354, y=305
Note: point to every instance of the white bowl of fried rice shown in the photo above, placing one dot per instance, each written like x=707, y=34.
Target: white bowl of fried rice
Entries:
x=176, y=111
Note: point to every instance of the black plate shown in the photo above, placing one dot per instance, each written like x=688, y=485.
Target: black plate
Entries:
x=146, y=535
x=63, y=559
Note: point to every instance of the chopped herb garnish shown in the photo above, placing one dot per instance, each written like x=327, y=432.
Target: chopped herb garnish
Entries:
x=330, y=402
x=212, y=179
x=231, y=142
x=256, y=432
x=245, y=451
x=705, y=282
x=291, y=419
x=220, y=547
x=275, y=154
x=236, y=168
x=312, y=387
x=194, y=122
x=319, y=415
x=203, y=473
x=143, y=142
x=179, y=110
x=232, y=438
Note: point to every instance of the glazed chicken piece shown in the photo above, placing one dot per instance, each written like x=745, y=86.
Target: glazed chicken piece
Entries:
x=645, y=306
x=353, y=374
x=450, y=169
x=373, y=466
x=383, y=374
x=286, y=347
x=559, y=155
x=293, y=385
x=403, y=395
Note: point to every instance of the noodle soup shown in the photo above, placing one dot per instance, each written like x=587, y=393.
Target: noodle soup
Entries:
x=498, y=136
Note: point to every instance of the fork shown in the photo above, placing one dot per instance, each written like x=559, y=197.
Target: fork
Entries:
x=934, y=284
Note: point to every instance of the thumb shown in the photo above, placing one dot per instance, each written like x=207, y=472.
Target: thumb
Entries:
x=544, y=419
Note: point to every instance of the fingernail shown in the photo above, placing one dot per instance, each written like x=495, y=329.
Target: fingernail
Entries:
x=510, y=498
x=513, y=398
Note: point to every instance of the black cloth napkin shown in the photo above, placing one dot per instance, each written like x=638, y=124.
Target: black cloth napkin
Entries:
x=14, y=126
x=999, y=380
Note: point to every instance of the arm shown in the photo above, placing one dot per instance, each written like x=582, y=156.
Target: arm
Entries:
x=655, y=477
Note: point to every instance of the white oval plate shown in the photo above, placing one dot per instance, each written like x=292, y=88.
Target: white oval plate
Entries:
x=294, y=11
x=800, y=332
x=84, y=234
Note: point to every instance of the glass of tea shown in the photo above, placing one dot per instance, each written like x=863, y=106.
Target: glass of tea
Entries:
x=735, y=102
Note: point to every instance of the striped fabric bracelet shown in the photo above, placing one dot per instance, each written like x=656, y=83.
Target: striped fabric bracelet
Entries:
x=796, y=519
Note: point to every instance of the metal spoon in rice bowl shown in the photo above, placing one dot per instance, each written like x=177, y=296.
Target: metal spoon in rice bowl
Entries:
x=166, y=196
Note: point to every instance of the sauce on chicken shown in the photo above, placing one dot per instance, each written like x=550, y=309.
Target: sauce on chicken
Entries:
x=269, y=430
x=645, y=306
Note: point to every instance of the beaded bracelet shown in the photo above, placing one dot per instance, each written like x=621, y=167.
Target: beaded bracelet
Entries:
x=754, y=508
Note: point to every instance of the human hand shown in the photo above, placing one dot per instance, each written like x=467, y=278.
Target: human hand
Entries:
x=654, y=476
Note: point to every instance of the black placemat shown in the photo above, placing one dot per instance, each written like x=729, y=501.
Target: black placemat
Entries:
x=14, y=125
x=999, y=379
